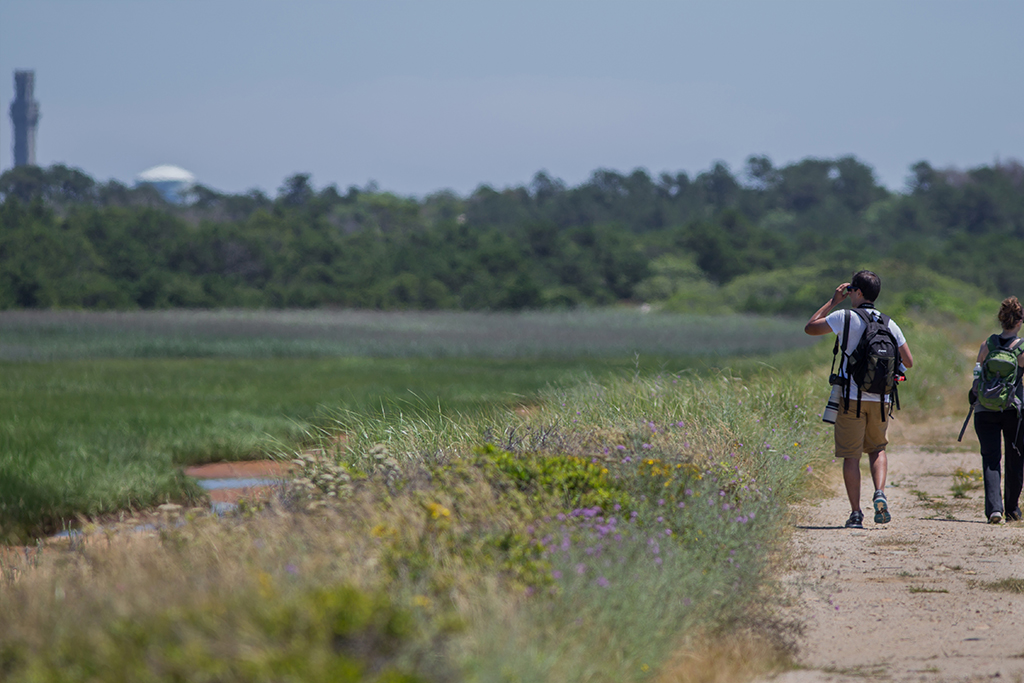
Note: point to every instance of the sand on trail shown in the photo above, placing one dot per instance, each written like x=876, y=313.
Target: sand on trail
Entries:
x=910, y=600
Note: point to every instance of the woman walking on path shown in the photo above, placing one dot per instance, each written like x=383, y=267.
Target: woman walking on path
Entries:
x=998, y=413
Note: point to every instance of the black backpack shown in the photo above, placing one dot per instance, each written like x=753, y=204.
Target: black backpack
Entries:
x=874, y=364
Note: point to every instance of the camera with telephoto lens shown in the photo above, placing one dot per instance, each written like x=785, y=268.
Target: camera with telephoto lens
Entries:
x=832, y=406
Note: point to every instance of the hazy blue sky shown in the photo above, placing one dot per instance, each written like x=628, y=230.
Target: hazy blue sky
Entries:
x=425, y=95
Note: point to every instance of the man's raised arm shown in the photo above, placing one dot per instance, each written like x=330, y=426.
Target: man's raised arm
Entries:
x=816, y=325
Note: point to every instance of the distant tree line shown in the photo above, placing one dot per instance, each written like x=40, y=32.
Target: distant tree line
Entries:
x=764, y=240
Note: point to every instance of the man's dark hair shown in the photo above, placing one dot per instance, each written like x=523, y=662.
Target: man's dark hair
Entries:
x=868, y=284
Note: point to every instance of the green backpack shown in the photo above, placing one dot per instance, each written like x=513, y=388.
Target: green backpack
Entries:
x=999, y=374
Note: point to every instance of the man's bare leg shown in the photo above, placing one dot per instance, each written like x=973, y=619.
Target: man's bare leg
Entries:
x=851, y=477
x=879, y=468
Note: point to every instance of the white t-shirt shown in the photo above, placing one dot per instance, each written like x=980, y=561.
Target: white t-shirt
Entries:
x=835, y=320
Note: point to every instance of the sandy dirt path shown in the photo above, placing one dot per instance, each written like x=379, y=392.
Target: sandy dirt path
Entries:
x=911, y=600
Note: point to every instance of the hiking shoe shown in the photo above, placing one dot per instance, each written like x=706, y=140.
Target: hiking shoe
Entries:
x=995, y=518
x=856, y=520
x=1013, y=516
x=882, y=515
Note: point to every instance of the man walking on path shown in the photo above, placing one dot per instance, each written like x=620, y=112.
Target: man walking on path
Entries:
x=859, y=430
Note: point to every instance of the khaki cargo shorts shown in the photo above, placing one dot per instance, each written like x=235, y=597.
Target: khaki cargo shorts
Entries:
x=864, y=434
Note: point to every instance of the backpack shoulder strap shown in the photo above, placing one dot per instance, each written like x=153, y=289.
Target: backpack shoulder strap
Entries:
x=845, y=365
x=992, y=343
x=846, y=330
x=865, y=315
x=1016, y=345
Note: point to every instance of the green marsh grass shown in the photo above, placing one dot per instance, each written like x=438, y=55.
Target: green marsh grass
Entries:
x=94, y=437
x=602, y=333
x=473, y=554
x=98, y=411
x=465, y=531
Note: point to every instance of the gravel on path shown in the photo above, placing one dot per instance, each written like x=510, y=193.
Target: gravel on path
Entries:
x=912, y=600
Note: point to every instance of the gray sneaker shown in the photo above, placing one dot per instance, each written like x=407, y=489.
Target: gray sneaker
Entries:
x=995, y=518
x=882, y=515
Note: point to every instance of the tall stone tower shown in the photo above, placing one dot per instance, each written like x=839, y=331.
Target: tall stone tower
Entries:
x=25, y=115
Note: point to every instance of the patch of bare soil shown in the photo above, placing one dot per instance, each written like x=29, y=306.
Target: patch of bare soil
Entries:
x=915, y=599
x=240, y=469
x=244, y=473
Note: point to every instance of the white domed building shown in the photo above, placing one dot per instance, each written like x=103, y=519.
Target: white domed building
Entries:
x=173, y=183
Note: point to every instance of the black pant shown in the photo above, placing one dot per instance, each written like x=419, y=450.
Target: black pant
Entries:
x=989, y=426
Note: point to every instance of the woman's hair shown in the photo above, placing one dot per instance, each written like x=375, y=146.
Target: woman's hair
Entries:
x=1010, y=312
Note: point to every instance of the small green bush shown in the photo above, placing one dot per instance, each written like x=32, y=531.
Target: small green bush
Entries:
x=329, y=634
x=573, y=480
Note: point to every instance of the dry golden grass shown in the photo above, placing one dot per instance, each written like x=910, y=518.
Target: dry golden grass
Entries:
x=733, y=658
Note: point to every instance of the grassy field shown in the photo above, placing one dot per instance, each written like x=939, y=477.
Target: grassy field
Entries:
x=627, y=526
x=48, y=335
x=99, y=410
x=616, y=530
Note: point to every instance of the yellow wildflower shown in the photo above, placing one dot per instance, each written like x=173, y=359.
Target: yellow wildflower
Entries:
x=437, y=510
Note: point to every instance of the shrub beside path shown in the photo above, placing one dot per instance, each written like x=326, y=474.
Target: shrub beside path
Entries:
x=935, y=595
